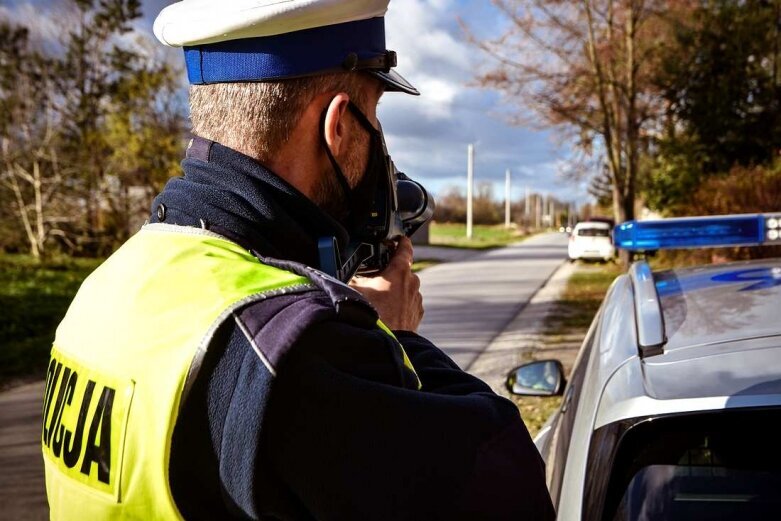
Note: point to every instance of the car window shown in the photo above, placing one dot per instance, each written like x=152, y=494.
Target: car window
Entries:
x=723, y=465
x=686, y=492
x=593, y=232
x=566, y=421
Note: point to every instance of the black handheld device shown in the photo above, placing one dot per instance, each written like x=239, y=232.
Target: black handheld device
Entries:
x=400, y=207
x=411, y=207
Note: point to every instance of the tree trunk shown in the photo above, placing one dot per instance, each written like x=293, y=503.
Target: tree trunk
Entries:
x=624, y=210
x=13, y=183
x=40, y=235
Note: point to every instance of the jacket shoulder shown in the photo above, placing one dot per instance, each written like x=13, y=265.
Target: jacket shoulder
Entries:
x=274, y=325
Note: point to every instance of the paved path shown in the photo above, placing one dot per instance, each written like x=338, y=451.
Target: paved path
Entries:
x=468, y=303
x=21, y=464
x=444, y=254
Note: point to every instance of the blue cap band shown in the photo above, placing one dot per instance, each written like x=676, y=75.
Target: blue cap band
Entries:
x=289, y=55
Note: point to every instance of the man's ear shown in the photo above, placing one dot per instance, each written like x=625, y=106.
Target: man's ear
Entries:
x=335, y=129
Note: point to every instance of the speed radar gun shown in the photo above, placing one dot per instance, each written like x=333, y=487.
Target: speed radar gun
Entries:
x=400, y=207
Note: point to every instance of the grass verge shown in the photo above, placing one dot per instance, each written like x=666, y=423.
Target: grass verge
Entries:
x=582, y=297
x=34, y=297
x=536, y=410
x=422, y=264
x=564, y=330
x=483, y=236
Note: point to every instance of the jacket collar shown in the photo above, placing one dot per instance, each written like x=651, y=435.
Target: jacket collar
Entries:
x=237, y=197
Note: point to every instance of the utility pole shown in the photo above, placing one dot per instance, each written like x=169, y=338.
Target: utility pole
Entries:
x=507, y=198
x=470, y=181
x=538, y=212
x=552, y=212
x=527, y=208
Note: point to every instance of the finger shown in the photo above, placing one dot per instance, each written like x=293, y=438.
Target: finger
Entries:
x=419, y=305
x=403, y=253
x=415, y=283
x=417, y=300
x=405, y=242
x=359, y=281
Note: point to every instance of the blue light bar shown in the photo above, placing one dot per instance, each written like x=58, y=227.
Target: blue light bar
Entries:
x=699, y=232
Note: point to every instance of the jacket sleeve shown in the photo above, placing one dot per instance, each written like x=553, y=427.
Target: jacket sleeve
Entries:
x=351, y=441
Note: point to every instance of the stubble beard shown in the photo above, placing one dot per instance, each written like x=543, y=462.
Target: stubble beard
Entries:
x=328, y=194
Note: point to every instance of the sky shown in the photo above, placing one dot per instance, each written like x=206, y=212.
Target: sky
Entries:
x=428, y=135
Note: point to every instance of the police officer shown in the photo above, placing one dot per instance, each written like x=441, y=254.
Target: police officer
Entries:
x=209, y=370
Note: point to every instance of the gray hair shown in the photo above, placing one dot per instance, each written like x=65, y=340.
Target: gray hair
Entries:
x=260, y=117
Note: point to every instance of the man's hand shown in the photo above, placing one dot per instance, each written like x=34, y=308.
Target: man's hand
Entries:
x=394, y=293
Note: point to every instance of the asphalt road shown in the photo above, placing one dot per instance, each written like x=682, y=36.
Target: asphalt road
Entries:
x=22, y=492
x=470, y=302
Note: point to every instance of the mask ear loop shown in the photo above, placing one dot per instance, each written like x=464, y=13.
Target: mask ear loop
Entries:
x=379, y=137
x=337, y=169
x=362, y=118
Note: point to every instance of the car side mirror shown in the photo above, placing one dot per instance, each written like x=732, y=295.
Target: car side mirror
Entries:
x=540, y=378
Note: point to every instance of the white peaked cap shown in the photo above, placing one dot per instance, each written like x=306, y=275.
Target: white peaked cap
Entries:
x=271, y=40
x=198, y=22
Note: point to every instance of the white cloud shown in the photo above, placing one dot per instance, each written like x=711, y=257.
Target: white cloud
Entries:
x=417, y=30
x=428, y=135
x=45, y=25
x=429, y=55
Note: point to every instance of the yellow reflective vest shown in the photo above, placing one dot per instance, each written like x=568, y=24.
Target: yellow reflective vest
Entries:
x=123, y=356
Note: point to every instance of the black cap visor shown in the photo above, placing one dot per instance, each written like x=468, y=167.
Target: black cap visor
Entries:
x=394, y=82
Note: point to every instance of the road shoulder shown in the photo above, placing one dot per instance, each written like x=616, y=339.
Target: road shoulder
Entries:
x=22, y=493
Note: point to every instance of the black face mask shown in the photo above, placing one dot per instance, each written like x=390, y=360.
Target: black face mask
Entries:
x=360, y=199
x=383, y=206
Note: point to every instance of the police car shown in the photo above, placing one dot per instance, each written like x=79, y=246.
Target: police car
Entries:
x=673, y=407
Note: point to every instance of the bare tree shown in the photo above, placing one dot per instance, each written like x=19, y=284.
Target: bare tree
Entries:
x=33, y=177
x=30, y=177
x=93, y=64
x=584, y=67
x=90, y=128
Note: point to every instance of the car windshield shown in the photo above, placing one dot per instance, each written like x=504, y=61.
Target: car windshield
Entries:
x=710, y=466
x=701, y=492
x=593, y=232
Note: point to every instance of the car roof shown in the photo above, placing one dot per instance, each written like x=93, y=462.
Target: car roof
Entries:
x=720, y=303
x=592, y=224
x=723, y=344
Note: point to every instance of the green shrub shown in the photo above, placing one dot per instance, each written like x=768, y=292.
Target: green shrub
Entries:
x=33, y=299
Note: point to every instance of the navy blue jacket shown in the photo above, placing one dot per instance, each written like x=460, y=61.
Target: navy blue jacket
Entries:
x=341, y=431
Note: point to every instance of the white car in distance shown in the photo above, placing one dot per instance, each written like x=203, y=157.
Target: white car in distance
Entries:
x=591, y=240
